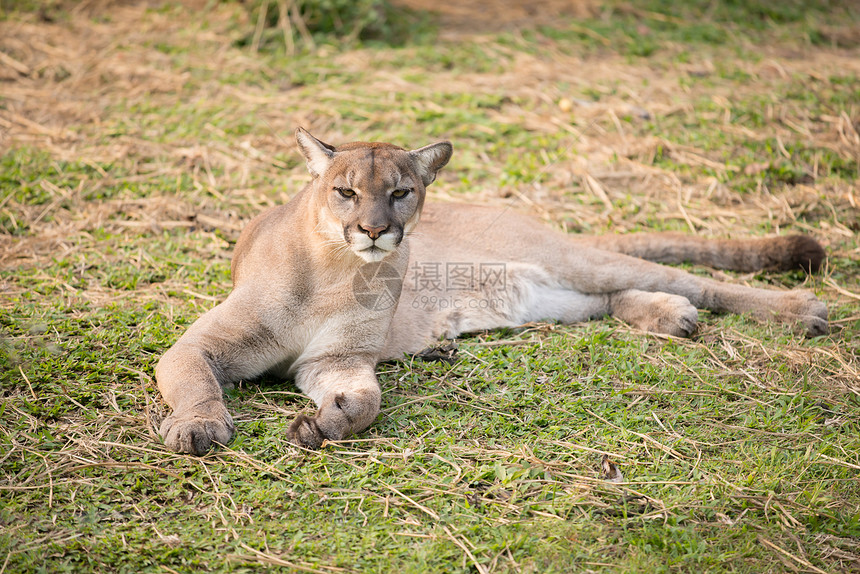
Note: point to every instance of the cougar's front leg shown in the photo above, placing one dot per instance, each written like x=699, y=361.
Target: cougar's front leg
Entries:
x=188, y=384
x=348, y=396
x=225, y=345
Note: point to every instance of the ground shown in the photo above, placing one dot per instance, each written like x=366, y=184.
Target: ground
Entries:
x=136, y=140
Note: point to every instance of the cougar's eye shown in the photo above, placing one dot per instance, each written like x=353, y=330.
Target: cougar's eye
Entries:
x=401, y=193
x=345, y=191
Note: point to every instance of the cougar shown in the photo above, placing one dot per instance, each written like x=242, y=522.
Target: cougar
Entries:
x=343, y=276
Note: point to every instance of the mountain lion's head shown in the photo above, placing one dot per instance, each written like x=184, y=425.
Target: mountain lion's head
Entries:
x=370, y=194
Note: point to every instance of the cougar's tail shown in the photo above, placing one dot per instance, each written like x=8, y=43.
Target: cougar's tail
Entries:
x=771, y=253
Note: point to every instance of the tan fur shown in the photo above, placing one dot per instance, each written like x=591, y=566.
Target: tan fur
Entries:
x=343, y=276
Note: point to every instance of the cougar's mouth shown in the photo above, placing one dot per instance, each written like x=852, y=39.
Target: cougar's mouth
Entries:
x=373, y=253
x=373, y=250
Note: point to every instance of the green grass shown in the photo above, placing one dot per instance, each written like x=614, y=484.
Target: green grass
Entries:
x=121, y=199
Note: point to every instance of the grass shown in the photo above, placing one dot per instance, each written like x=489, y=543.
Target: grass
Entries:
x=137, y=143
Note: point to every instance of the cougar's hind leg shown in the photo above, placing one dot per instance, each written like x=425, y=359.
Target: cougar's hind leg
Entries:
x=529, y=293
x=537, y=296
x=532, y=294
x=595, y=271
x=223, y=346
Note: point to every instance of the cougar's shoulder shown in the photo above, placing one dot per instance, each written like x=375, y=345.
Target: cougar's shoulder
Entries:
x=267, y=240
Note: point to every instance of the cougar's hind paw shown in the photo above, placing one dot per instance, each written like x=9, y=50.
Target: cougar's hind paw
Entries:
x=671, y=315
x=815, y=326
x=684, y=323
x=804, y=307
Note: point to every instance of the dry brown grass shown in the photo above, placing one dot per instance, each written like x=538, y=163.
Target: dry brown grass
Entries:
x=70, y=82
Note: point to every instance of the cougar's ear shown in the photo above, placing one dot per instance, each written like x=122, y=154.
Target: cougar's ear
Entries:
x=317, y=154
x=430, y=159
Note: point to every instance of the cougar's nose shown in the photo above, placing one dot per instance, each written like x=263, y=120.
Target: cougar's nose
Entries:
x=373, y=232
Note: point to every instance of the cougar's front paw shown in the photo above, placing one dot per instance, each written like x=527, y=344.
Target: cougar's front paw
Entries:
x=305, y=432
x=194, y=430
x=341, y=415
